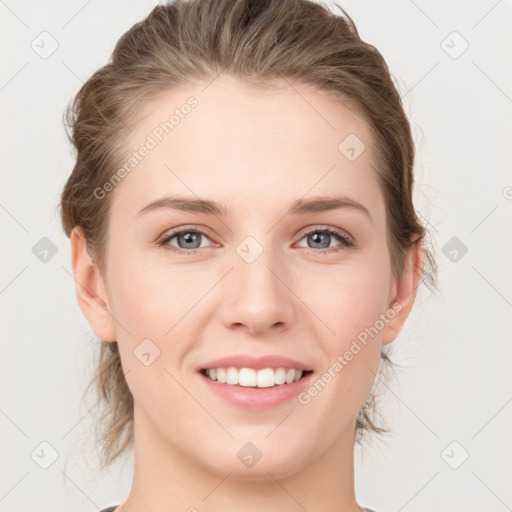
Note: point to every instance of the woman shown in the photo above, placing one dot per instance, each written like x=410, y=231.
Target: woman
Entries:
x=246, y=248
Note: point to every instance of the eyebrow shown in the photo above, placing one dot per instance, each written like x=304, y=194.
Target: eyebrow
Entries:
x=298, y=207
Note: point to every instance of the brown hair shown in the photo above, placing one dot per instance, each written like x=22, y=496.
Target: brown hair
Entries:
x=255, y=41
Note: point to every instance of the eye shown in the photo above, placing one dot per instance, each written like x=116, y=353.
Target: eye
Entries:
x=321, y=239
x=188, y=240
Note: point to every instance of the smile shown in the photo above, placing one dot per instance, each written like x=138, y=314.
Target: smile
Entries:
x=250, y=377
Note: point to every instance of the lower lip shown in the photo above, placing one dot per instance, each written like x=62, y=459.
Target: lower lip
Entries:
x=257, y=398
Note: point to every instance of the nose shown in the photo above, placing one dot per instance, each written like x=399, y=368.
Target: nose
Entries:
x=258, y=296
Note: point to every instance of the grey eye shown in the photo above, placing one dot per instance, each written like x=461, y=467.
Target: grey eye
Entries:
x=189, y=239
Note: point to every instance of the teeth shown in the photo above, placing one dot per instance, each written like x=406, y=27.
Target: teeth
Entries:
x=248, y=377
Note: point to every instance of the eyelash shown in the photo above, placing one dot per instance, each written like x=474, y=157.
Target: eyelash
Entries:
x=346, y=242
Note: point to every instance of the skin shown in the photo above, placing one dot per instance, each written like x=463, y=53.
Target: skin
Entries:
x=254, y=151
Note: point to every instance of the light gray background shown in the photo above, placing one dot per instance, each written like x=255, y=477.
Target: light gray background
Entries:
x=456, y=347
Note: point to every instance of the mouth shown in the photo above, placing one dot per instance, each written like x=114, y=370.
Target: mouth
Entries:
x=255, y=378
x=255, y=382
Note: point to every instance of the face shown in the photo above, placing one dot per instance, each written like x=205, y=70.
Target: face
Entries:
x=276, y=277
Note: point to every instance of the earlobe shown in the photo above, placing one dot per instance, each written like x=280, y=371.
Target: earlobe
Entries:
x=406, y=286
x=90, y=290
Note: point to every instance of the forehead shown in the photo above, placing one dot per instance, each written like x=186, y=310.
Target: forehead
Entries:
x=232, y=141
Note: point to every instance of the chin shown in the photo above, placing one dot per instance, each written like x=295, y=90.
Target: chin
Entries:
x=257, y=461
x=261, y=471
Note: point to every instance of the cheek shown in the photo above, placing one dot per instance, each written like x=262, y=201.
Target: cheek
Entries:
x=351, y=309
x=152, y=308
x=349, y=300
x=359, y=328
x=150, y=300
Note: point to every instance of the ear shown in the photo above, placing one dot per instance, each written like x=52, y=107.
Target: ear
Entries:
x=90, y=290
x=404, y=293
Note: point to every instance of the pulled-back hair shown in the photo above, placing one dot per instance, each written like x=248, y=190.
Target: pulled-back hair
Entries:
x=256, y=41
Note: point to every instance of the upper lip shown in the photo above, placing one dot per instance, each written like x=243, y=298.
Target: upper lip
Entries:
x=258, y=363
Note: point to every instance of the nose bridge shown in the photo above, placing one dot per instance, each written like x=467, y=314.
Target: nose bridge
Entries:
x=259, y=298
